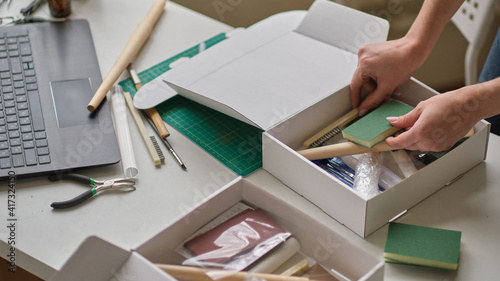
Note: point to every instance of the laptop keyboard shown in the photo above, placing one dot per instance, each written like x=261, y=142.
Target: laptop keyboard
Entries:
x=23, y=140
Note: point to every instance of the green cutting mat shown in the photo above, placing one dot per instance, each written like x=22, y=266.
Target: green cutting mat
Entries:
x=236, y=144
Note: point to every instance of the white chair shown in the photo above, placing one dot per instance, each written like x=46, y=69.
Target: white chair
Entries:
x=473, y=19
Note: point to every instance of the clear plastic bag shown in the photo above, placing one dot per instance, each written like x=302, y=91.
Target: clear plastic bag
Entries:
x=367, y=176
x=235, y=243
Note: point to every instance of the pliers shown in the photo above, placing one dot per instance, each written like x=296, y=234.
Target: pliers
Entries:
x=121, y=184
x=24, y=15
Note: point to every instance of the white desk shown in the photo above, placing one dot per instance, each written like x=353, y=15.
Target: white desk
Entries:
x=47, y=238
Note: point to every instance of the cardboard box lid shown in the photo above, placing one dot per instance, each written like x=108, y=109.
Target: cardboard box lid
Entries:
x=99, y=260
x=273, y=70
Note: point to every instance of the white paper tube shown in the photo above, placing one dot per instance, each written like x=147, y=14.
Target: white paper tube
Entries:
x=123, y=132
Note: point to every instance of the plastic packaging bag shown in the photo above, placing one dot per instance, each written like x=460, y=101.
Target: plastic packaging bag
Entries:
x=367, y=176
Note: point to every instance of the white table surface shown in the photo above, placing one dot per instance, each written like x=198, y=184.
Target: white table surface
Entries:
x=47, y=238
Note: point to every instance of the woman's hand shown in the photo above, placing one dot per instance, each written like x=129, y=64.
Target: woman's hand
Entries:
x=436, y=124
x=382, y=67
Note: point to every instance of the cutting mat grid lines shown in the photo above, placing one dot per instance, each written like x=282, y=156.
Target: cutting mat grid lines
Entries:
x=236, y=144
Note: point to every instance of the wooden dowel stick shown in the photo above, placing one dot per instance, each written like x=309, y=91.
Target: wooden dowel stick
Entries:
x=341, y=149
x=348, y=148
x=198, y=274
x=134, y=44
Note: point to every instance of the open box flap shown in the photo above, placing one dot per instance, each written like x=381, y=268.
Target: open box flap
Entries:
x=89, y=261
x=342, y=27
x=270, y=71
x=99, y=260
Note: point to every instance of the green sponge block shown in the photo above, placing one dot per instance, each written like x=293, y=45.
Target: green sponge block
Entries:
x=421, y=245
x=374, y=127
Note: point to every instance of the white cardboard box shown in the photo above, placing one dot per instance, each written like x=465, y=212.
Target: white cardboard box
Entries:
x=289, y=76
x=99, y=260
x=341, y=202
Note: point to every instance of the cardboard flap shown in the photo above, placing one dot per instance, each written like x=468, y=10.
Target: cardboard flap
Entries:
x=209, y=103
x=342, y=27
x=89, y=261
x=269, y=72
x=156, y=91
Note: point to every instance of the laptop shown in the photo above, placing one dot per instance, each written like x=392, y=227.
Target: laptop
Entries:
x=49, y=73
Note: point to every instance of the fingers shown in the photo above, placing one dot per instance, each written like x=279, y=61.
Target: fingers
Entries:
x=407, y=138
x=374, y=99
x=404, y=121
x=356, y=86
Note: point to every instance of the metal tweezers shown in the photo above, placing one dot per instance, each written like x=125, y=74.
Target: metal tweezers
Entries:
x=121, y=184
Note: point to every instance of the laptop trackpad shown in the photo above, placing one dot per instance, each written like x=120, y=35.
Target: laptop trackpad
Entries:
x=70, y=101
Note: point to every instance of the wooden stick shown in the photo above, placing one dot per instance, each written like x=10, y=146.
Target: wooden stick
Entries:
x=134, y=44
x=152, y=112
x=348, y=148
x=198, y=274
x=341, y=149
x=342, y=121
x=142, y=129
x=297, y=269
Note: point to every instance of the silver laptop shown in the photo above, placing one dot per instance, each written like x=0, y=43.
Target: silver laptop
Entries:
x=49, y=73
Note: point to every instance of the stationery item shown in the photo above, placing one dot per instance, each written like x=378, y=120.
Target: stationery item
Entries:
x=198, y=274
x=160, y=126
x=154, y=151
x=337, y=168
x=165, y=141
x=373, y=128
x=236, y=243
x=236, y=144
x=367, y=175
x=332, y=130
x=57, y=132
x=421, y=245
x=123, y=132
x=138, y=38
x=120, y=184
x=347, y=148
x=341, y=149
x=272, y=260
x=297, y=269
x=157, y=149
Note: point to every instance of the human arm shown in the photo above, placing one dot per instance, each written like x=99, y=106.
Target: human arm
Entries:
x=437, y=123
x=382, y=67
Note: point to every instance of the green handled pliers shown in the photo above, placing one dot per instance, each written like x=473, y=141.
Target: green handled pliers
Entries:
x=121, y=184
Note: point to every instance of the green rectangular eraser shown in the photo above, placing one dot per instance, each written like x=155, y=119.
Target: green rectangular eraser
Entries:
x=422, y=245
x=374, y=127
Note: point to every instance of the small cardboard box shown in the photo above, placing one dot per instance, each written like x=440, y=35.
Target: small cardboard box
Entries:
x=341, y=202
x=289, y=75
x=98, y=260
